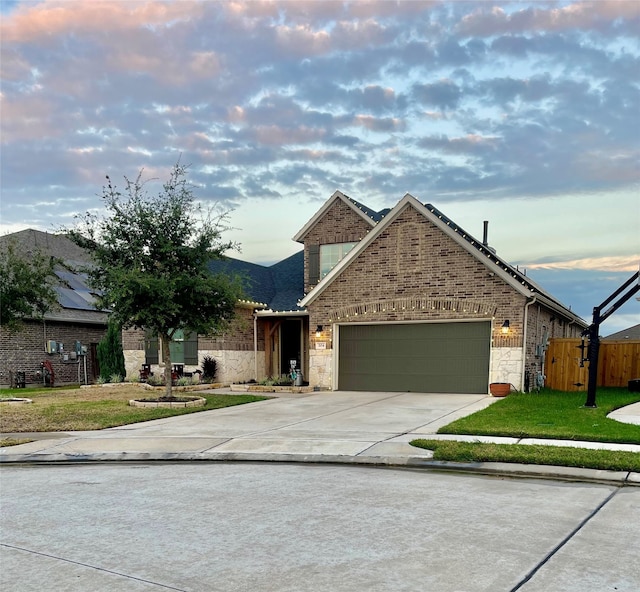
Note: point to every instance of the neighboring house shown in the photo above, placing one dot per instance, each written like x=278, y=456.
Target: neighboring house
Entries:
x=397, y=300
x=630, y=334
x=270, y=315
x=50, y=343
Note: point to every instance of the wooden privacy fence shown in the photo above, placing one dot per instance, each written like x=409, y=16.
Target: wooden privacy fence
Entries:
x=618, y=363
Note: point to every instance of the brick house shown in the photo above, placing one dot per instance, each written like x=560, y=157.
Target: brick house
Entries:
x=397, y=300
x=49, y=344
x=407, y=300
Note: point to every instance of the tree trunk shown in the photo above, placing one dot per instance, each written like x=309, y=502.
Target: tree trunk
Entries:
x=166, y=357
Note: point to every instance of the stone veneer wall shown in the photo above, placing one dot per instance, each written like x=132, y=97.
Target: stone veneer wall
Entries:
x=320, y=364
x=233, y=350
x=236, y=366
x=506, y=366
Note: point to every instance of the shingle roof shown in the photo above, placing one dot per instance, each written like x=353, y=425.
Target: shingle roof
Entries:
x=375, y=216
x=631, y=333
x=75, y=297
x=279, y=286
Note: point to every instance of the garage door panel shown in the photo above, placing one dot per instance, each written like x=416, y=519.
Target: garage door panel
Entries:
x=421, y=357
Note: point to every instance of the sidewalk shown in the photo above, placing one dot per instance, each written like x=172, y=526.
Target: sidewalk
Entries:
x=328, y=427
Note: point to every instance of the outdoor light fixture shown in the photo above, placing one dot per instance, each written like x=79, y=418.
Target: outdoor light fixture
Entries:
x=505, y=327
x=318, y=330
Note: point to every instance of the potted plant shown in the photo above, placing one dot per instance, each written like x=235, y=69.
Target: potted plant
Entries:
x=500, y=389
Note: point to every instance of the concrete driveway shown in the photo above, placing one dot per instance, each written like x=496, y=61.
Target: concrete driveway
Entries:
x=341, y=424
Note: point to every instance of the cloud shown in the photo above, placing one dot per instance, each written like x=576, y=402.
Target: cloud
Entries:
x=602, y=16
x=629, y=263
x=467, y=102
x=444, y=94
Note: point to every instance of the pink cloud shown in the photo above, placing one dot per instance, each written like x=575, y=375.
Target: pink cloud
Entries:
x=615, y=263
x=377, y=124
x=386, y=8
x=51, y=18
x=303, y=40
x=487, y=21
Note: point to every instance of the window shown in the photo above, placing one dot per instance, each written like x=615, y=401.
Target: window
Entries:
x=331, y=255
x=183, y=348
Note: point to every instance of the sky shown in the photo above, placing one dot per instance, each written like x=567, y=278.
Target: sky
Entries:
x=525, y=114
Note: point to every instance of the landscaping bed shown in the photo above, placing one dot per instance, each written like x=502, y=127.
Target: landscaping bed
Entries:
x=260, y=388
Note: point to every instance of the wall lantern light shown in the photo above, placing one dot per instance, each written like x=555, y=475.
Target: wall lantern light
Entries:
x=318, y=330
x=505, y=327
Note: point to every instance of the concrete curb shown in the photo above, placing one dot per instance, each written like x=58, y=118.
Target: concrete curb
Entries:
x=510, y=470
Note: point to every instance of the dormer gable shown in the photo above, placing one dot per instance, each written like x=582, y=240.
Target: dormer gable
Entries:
x=331, y=233
x=365, y=214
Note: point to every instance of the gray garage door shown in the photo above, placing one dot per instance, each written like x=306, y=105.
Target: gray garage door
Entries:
x=416, y=357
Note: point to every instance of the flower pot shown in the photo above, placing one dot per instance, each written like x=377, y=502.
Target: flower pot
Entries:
x=500, y=389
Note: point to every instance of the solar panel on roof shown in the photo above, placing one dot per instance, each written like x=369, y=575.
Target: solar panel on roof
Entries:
x=75, y=281
x=70, y=299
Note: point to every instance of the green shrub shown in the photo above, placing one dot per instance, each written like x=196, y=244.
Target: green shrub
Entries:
x=110, y=354
x=154, y=380
x=209, y=369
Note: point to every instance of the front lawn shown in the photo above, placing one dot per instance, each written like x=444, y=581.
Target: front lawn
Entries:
x=548, y=414
x=466, y=452
x=552, y=414
x=59, y=410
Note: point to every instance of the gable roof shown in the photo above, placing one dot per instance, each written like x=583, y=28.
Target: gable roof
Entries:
x=278, y=287
x=483, y=253
x=370, y=216
x=631, y=333
x=75, y=298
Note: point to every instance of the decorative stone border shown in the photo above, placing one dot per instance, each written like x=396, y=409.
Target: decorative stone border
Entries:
x=16, y=400
x=258, y=388
x=194, y=402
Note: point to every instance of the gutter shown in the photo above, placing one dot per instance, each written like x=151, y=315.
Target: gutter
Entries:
x=255, y=345
x=524, y=338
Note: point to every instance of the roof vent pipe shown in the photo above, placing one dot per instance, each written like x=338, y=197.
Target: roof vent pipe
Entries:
x=485, y=233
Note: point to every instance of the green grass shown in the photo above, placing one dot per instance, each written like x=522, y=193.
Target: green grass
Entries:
x=467, y=452
x=55, y=410
x=107, y=414
x=552, y=414
x=13, y=441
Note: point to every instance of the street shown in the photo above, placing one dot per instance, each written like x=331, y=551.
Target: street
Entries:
x=286, y=527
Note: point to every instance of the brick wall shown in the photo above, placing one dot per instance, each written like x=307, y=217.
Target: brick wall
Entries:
x=413, y=271
x=24, y=351
x=340, y=224
x=238, y=337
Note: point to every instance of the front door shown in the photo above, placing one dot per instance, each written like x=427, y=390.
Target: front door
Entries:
x=290, y=345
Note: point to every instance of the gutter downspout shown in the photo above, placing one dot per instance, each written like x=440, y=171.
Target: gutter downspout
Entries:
x=255, y=345
x=524, y=337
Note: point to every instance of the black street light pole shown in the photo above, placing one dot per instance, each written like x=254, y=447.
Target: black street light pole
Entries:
x=594, y=329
